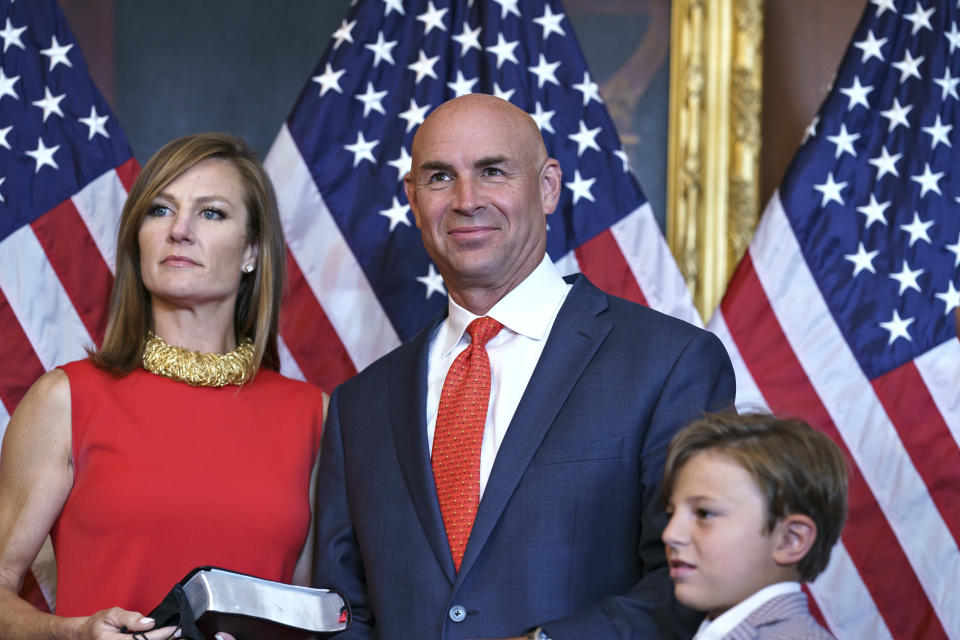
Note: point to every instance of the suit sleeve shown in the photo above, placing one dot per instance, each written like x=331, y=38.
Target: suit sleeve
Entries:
x=701, y=379
x=337, y=561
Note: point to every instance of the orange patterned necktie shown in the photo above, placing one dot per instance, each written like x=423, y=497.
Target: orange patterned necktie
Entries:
x=459, y=432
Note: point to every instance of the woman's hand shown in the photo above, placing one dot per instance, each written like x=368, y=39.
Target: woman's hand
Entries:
x=107, y=625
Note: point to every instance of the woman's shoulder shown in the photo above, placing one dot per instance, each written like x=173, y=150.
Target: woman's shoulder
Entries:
x=269, y=381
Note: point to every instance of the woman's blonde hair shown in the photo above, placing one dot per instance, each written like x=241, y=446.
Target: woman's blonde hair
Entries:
x=258, y=299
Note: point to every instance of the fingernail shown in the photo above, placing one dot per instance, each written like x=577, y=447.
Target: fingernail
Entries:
x=218, y=636
x=146, y=620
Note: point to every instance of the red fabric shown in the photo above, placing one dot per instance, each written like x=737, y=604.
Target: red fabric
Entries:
x=168, y=477
x=456, y=441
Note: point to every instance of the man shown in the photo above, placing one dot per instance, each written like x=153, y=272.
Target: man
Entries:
x=548, y=519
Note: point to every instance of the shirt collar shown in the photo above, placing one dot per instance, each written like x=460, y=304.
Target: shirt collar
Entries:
x=727, y=621
x=527, y=309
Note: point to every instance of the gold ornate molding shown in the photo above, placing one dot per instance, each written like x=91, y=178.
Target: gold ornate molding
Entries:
x=714, y=140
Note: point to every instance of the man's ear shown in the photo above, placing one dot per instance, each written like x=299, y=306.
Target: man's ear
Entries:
x=795, y=535
x=411, y=190
x=550, y=185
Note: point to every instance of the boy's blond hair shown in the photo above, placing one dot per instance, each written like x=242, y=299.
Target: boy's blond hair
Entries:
x=798, y=470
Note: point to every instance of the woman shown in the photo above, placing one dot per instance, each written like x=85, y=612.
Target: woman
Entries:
x=177, y=444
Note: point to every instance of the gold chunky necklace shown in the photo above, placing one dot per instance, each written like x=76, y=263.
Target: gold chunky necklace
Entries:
x=195, y=368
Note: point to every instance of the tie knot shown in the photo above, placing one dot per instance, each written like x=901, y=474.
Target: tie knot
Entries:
x=482, y=329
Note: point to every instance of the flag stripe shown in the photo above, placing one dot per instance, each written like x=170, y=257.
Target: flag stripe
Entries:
x=749, y=397
x=74, y=258
x=925, y=436
x=15, y=347
x=601, y=261
x=326, y=261
x=867, y=536
x=646, y=252
x=310, y=338
x=288, y=365
x=50, y=322
x=851, y=402
x=99, y=205
x=941, y=375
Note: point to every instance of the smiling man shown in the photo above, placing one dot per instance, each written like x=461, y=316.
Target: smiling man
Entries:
x=499, y=474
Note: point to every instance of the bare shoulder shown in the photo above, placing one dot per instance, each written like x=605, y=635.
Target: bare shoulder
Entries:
x=42, y=419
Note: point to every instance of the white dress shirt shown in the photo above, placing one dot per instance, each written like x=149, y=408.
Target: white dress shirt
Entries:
x=727, y=621
x=527, y=314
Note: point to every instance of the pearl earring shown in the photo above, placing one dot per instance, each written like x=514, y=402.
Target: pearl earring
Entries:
x=248, y=268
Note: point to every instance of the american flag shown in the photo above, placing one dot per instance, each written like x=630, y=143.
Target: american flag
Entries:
x=845, y=311
x=65, y=169
x=360, y=280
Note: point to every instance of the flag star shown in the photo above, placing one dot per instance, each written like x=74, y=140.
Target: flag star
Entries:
x=545, y=72
x=3, y=136
x=907, y=278
x=897, y=114
x=500, y=93
x=468, y=39
x=393, y=5
x=950, y=297
x=897, y=327
x=432, y=17
x=620, y=153
x=862, y=260
x=507, y=7
x=948, y=85
x=844, y=141
x=953, y=37
x=542, y=118
x=550, y=22
x=955, y=250
x=381, y=50
x=883, y=5
x=909, y=66
x=589, y=89
x=362, y=149
x=57, y=53
x=95, y=124
x=886, y=163
x=461, y=86
x=6, y=85
x=585, y=138
x=43, y=155
x=403, y=163
x=917, y=229
x=11, y=36
x=939, y=132
x=830, y=190
x=344, y=33
x=433, y=282
x=928, y=180
x=504, y=50
x=580, y=187
x=372, y=100
x=857, y=94
x=415, y=114
x=811, y=129
x=329, y=79
x=397, y=214
x=424, y=67
x=2, y=199
x=870, y=47
x=50, y=103
x=919, y=18
x=874, y=211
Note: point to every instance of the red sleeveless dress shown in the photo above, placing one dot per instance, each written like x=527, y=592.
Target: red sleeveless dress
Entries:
x=168, y=477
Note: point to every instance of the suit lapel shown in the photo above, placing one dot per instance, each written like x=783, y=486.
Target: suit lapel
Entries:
x=576, y=335
x=408, y=396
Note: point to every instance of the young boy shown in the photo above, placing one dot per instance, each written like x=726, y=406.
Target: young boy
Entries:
x=755, y=504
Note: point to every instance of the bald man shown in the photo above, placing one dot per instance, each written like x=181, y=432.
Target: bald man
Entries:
x=535, y=511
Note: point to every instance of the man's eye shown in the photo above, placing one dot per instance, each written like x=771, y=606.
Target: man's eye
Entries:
x=212, y=214
x=492, y=171
x=439, y=177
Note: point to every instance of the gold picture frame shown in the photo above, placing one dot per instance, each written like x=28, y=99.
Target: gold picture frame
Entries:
x=714, y=140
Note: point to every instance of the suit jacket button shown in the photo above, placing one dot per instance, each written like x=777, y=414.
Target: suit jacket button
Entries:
x=457, y=613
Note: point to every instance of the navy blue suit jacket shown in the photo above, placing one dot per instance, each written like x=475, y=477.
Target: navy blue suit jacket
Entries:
x=567, y=534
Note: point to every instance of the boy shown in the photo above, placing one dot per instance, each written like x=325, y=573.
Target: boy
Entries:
x=755, y=504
